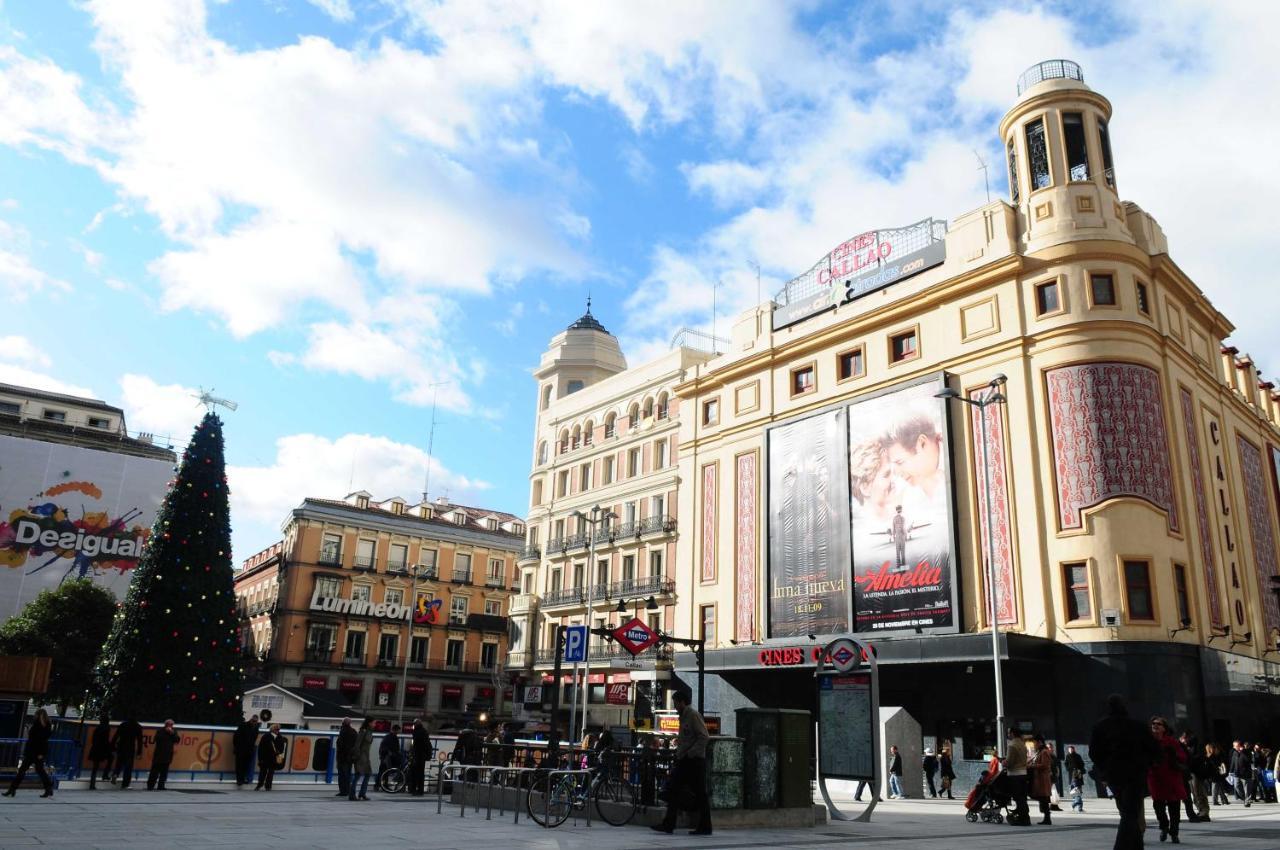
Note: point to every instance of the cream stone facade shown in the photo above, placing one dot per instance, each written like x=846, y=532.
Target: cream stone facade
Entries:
x=1136, y=456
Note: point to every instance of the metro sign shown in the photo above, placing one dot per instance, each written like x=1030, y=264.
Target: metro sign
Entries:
x=635, y=636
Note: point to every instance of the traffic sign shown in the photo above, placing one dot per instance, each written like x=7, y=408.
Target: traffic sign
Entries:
x=635, y=636
x=575, y=644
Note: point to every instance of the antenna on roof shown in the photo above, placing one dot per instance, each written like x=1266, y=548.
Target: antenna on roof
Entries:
x=982, y=166
x=209, y=400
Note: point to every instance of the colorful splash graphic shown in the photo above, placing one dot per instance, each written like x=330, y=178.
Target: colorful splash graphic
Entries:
x=44, y=533
x=426, y=611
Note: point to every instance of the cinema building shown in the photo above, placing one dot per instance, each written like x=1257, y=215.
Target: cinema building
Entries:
x=360, y=596
x=826, y=488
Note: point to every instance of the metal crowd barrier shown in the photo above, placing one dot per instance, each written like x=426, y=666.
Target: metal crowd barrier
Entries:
x=551, y=784
x=62, y=762
x=519, y=773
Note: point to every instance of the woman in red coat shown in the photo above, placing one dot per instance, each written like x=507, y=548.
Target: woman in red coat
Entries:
x=1164, y=779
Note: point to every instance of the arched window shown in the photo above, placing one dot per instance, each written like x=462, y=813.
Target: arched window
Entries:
x=647, y=411
x=662, y=405
x=633, y=415
x=611, y=425
x=577, y=436
x=542, y=452
x=588, y=432
x=546, y=396
x=564, y=440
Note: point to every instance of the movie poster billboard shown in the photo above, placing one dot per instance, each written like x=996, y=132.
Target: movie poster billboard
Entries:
x=901, y=507
x=808, y=527
x=72, y=512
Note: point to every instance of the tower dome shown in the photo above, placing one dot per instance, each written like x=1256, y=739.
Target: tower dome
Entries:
x=579, y=356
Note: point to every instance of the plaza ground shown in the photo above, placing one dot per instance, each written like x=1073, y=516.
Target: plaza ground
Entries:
x=291, y=817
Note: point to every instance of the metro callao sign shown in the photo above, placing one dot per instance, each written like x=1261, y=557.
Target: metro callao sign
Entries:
x=635, y=636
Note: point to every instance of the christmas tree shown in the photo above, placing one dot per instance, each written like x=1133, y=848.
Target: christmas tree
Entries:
x=172, y=651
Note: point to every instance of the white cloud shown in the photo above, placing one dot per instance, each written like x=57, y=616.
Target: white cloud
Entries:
x=19, y=349
x=23, y=377
x=43, y=107
x=168, y=410
x=339, y=10
x=19, y=277
x=727, y=182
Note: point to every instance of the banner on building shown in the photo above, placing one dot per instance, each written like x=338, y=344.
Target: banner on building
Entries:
x=71, y=512
x=809, y=526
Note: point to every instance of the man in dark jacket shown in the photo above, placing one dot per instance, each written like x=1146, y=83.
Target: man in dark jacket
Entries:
x=162, y=756
x=346, y=756
x=100, y=751
x=128, y=746
x=244, y=744
x=1122, y=750
x=270, y=756
x=389, y=755
x=1242, y=766
x=689, y=773
x=418, y=760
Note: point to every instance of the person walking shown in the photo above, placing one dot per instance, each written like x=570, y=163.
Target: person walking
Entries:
x=1197, y=779
x=1241, y=767
x=100, y=751
x=34, y=754
x=1257, y=791
x=1040, y=777
x=1216, y=767
x=1164, y=779
x=1015, y=765
x=946, y=771
x=128, y=746
x=930, y=766
x=1122, y=750
x=270, y=756
x=162, y=756
x=690, y=770
x=418, y=758
x=895, y=773
x=1189, y=746
x=345, y=756
x=1055, y=772
x=362, y=762
x=1073, y=762
x=244, y=744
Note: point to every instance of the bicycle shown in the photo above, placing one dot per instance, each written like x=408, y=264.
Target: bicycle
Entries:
x=393, y=780
x=614, y=798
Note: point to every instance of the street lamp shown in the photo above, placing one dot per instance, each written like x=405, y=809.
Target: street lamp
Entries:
x=992, y=396
x=650, y=604
x=599, y=517
x=408, y=644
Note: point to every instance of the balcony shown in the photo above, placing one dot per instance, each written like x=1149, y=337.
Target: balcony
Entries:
x=657, y=523
x=487, y=623
x=353, y=661
x=529, y=553
x=364, y=562
x=495, y=581
x=399, y=569
x=319, y=655
x=648, y=586
x=600, y=652
x=521, y=660
x=523, y=603
x=330, y=558
x=608, y=594
x=461, y=576
x=384, y=661
x=570, y=596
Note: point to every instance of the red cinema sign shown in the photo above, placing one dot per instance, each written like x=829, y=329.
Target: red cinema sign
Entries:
x=635, y=636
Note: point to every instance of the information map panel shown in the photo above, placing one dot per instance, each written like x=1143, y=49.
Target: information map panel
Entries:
x=845, y=718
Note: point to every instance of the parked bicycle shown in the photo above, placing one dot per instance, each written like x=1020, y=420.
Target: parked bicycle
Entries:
x=558, y=796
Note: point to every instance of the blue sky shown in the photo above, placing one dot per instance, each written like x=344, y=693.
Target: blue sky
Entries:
x=324, y=207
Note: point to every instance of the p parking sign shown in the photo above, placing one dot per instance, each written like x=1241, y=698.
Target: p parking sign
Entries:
x=575, y=644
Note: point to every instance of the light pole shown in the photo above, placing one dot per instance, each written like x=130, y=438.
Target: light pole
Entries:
x=408, y=644
x=992, y=396
x=599, y=516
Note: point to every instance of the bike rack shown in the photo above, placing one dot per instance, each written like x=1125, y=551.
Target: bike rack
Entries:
x=546, y=800
x=445, y=775
x=495, y=775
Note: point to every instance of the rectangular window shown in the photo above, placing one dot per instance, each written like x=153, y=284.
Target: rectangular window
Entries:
x=451, y=697
x=584, y=477
x=415, y=695
x=654, y=621
x=610, y=427
x=1047, y=300
x=629, y=513
x=1037, y=154
x=365, y=554
x=398, y=557
x=361, y=593
x=388, y=646
x=850, y=364
x=562, y=482
x=577, y=575
x=321, y=639
x=493, y=607
x=707, y=629
x=1076, y=578
x=655, y=563
x=1104, y=142
x=660, y=454
x=428, y=557
x=903, y=347
x=1077, y=149
x=1183, y=594
x=455, y=653
x=528, y=583
x=419, y=649
x=711, y=411
x=554, y=583
x=328, y=586
x=602, y=571
x=1137, y=590
x=633, y=463
x=331, y=550
x=488, y=656
x=628, y=567
x=1102, y=289
x=658, y=506
x=1144, y=306
x=99, y=422
x=354, y=653
x=458, y=611
x=494, y=576
x=393, y=596
x=1013, y=172
x=802, y=381
x=55, y=415
x=462, y=567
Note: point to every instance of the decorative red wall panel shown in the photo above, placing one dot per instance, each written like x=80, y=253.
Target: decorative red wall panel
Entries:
x=1257, y=506
x=1002, y=538
x=745, y=548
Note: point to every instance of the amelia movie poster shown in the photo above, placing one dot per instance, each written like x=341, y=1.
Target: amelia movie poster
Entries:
x=71, y=512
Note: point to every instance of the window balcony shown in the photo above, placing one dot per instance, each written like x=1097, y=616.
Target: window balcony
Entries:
x=529, y=553
x=398, y=569
x=461, y=576
x=658, y=523
x=570, y=596
x=384, y=661
x=353, y=661
x=640, y=587
x=364, y=562
x=330, y=558
x=455, y=666
x=521, y=660
x=319, y=654
x=495, y=581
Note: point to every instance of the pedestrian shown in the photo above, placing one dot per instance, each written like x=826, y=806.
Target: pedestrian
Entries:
x=128, y=746
x=1266, y=772
x=1040, y=777
x=1074, y=764
x=162, y=755
x=1164, y=779
x=508, y=744
x=345, y=756
x=1122, y=750
x=389, y=754
x=1196, y=779
x=1241, y=768
x=34, y=754
x=100, y=751
x=420, y=754
x=1055, y=771
x=946, y=771
x=362, y=762
x=1216, y=768
x=1015, y=766
x=930, y=765
x=244, y=743
x=862, y=786
x=689, y=774
x=270, y=756
x=895, y=774
x=1258, y=790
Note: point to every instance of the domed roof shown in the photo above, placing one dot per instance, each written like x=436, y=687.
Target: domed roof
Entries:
x=588, y=322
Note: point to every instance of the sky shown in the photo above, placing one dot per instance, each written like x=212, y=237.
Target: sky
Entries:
x=338, y=213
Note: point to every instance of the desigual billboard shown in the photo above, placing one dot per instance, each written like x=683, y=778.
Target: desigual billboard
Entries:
x=71, y=512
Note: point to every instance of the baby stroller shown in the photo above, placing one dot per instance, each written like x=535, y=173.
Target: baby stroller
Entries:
x=990, y=798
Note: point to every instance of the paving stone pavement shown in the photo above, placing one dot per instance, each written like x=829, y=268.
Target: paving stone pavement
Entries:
x=195, y=818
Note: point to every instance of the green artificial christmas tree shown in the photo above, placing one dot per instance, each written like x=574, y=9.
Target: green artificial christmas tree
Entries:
x=173, y=650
